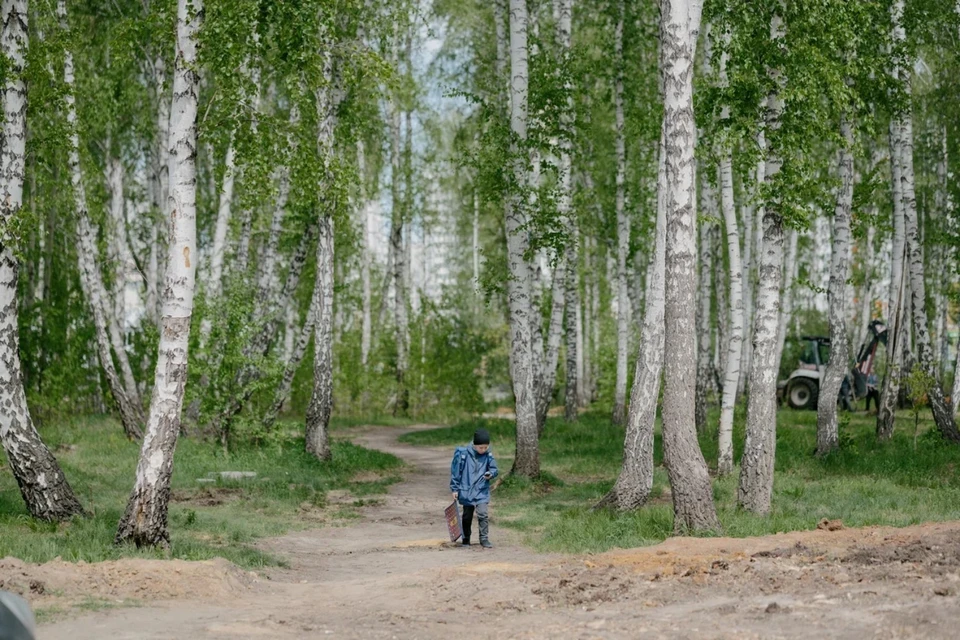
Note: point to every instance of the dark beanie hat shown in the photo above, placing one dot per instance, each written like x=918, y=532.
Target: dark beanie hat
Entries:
x=481, y=436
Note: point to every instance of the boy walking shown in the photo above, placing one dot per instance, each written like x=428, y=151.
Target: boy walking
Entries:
x=471, y=471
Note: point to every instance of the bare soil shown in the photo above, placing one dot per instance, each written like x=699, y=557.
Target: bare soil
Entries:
x=392, y=574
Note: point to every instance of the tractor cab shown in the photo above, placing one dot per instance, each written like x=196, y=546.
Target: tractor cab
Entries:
x=802, y=388
x=803, y=385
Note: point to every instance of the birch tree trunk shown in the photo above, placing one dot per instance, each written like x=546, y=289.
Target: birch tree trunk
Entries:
x=224, y=209
x=756, y=466
x=292, y=363
x=942, y=414
x=527, y=460
x=125, y=273
x=572, y=394
x=633, y=485
x=693, y=507
x=747, y=211
x=366, y=331
x=396, y=245
x=145, y=519
x=45, y=490
x=786, y=311
x=260, y=346
x=828, y=436
x=161, y=170
x=886, y=412
x=321, y=400
x=734, y=346
x=267, y=303
x=623, y=230
x=866, y=293
x=704, y=314
x=105, y=322
x=546, y=359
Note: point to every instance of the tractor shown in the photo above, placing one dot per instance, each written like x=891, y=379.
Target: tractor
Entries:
x=802, y=388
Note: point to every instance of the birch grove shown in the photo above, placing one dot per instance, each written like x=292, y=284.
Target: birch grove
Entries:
x=517, y=216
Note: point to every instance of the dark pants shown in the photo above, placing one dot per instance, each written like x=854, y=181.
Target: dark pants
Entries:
x=483, y=517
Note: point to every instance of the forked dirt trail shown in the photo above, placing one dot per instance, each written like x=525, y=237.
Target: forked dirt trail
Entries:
x=390, y=575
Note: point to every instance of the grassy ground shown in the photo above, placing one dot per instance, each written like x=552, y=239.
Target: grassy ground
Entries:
x=206, y=519
x=865, y=483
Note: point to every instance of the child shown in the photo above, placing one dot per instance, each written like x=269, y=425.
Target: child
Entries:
x=471, y=471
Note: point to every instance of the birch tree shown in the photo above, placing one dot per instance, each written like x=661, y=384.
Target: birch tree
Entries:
x=45, y=490
x=527, y=459
x=105, y=320
x=704, y=309
x=321, y=401
x=365, y=203
x=145, y=519
x=693, y=506
x=623, y=228
x=397, y=249
x=633, y=485
x=896, y=295
x=734, y=345
x=756, y=467
x=837, y=367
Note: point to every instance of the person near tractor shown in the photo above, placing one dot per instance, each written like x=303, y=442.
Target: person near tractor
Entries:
x=472, y=469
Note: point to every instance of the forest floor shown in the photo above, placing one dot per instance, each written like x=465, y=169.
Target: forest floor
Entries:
x=391, y=574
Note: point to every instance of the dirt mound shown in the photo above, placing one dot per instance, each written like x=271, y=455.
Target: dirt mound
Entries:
x=130, y=579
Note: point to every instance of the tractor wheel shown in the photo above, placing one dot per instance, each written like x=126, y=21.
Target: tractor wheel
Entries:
x=802, y=394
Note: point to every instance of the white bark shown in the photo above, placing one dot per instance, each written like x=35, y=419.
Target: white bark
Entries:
x=126, y=276
x=145, y=520
x=400, y=302
x=693, y=506
x=105, y=321
x=527, y=459
x=747, y=210
x=791, y=266
x=293, y=356
x=224, y=209
x=734, y=345
x=623, y=230
x=366, y=330
x=896, y=301
x=161, y=170
x=866, y=293
x=321, y=400
x=704, y=315
x=942, y=414
x=828, y=436
x=633, y=485
x=44, y=488
x=756, y=467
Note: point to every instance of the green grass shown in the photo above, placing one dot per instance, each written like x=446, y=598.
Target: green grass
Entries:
x=865, y=483
x=206, y=520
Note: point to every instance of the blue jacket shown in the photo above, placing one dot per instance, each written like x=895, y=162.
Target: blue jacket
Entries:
x=466, y=475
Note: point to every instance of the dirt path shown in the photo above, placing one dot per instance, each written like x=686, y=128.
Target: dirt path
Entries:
x=389, y=575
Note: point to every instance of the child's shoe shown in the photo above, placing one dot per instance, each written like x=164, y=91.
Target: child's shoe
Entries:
x=486, y=544
x=465, y=542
